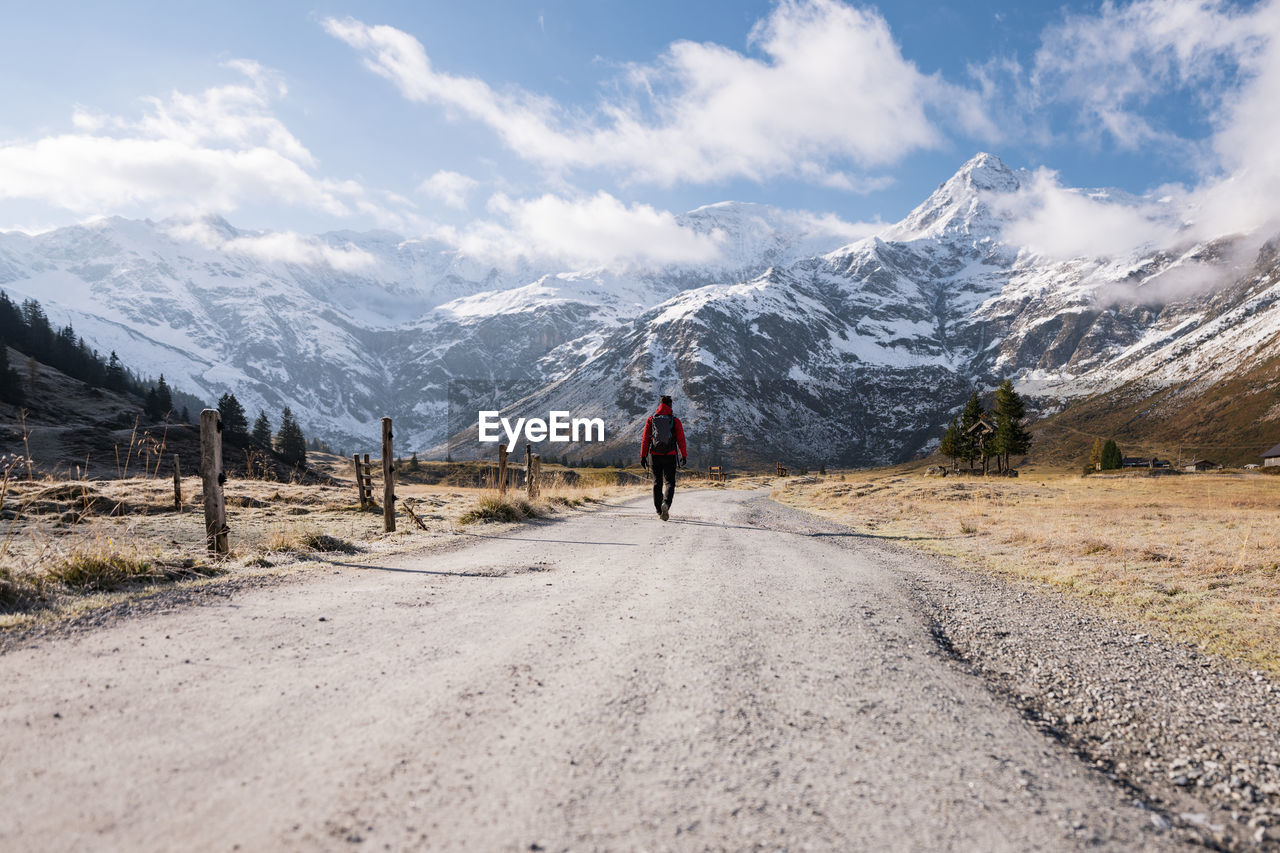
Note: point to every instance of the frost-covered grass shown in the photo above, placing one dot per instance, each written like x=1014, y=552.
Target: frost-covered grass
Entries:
x=491, y=505
x=92, y=565
x=71, y=546
x=1196, y=553
x=496, y=507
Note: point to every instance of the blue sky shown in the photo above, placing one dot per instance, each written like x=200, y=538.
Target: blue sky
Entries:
x=469, y=121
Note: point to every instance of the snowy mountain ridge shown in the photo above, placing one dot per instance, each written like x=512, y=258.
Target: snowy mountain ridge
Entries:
x=864, y=343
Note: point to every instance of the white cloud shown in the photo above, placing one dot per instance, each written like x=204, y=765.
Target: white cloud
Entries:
x=589, y=231
x=1114, y=68
x=275, y=247
x=448, y=187
x=1064, y=223
x=211, y=151
x=830, y=86
x=1112, y=64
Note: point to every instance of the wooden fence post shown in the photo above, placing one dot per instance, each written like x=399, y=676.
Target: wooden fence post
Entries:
x=215, y=504
x=355, y=462
x=177, y=485
x=388, y=480
x=537, y=475
x=528, y=471
x=368, y=480
x=502, y=469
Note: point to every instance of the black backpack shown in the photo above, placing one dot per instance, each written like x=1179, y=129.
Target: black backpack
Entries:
x=662, y=436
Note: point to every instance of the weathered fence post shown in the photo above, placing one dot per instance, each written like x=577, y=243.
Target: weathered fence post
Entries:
x=355, y=462
x=502, y=469
x=177, y=484
x=528, y=471
x=215, y=504
x=368, y=480
x=537, y=476
x=388, y=480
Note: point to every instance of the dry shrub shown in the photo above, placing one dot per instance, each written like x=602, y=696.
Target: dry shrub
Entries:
x=20, y=591
x=89, y=568
x=325, y=543
x=303, y=539
x=495, y=507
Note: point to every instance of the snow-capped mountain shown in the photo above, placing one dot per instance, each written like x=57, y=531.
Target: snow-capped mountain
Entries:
x=795, y=342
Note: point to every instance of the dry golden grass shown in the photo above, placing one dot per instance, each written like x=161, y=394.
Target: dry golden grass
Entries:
x=68, y=545
x=88, y=564
x=1198, y=554
x=556, y=492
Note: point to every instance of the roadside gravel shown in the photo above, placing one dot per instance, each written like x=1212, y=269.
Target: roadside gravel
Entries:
x=1193, y=737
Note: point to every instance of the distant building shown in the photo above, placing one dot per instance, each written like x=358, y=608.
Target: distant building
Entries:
x=1202, y=465
x=1271, y=457
x=1144, y=462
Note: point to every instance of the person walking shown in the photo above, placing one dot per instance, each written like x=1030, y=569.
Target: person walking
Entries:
x=663, y=438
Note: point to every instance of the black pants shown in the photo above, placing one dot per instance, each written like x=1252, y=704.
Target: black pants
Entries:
x=664, y=470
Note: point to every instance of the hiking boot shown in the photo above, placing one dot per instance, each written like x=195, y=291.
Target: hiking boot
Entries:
x=663, y=512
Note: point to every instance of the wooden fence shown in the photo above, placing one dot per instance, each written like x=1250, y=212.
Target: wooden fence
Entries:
x=364, y=480
x=215, y=502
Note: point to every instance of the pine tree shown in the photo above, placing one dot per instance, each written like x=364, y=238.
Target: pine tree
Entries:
x=234, y=422
x=115, y=378
x=151, y=405
x=950, y=444
x=414, y=464
x=164, y=399
x=1111, y=457
x=262, y=430
x=10, y=381
x=966, y=444
x=186, y=415
x=1011, y=438
x=1095, y=455
x=290, y=442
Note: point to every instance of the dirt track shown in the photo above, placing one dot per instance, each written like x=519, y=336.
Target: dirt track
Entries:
x=728, y=680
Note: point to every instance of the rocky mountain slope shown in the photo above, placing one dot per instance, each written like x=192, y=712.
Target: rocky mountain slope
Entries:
x=793, y=343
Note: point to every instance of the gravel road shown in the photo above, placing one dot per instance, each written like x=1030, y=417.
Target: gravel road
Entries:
x=742, y=677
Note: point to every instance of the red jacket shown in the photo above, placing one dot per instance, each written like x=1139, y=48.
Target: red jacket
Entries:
x=663, y=409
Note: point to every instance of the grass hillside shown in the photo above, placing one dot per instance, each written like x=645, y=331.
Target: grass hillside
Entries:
x=75, y=430
x=1230, y=422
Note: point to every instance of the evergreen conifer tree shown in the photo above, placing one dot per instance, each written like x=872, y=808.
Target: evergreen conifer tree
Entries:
x=164, y=398
x=950, y=444
x=234, y=422
x=151, y=405
x=115, y=377
x=1011, y=438
x=186, y=415
x=1111, y=456
x=290, y=442
x=414, y=464
x=10, y=381
x=262, y=430
x=966, y=444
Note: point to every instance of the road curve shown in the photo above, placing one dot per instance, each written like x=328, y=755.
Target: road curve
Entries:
x=732, y=679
